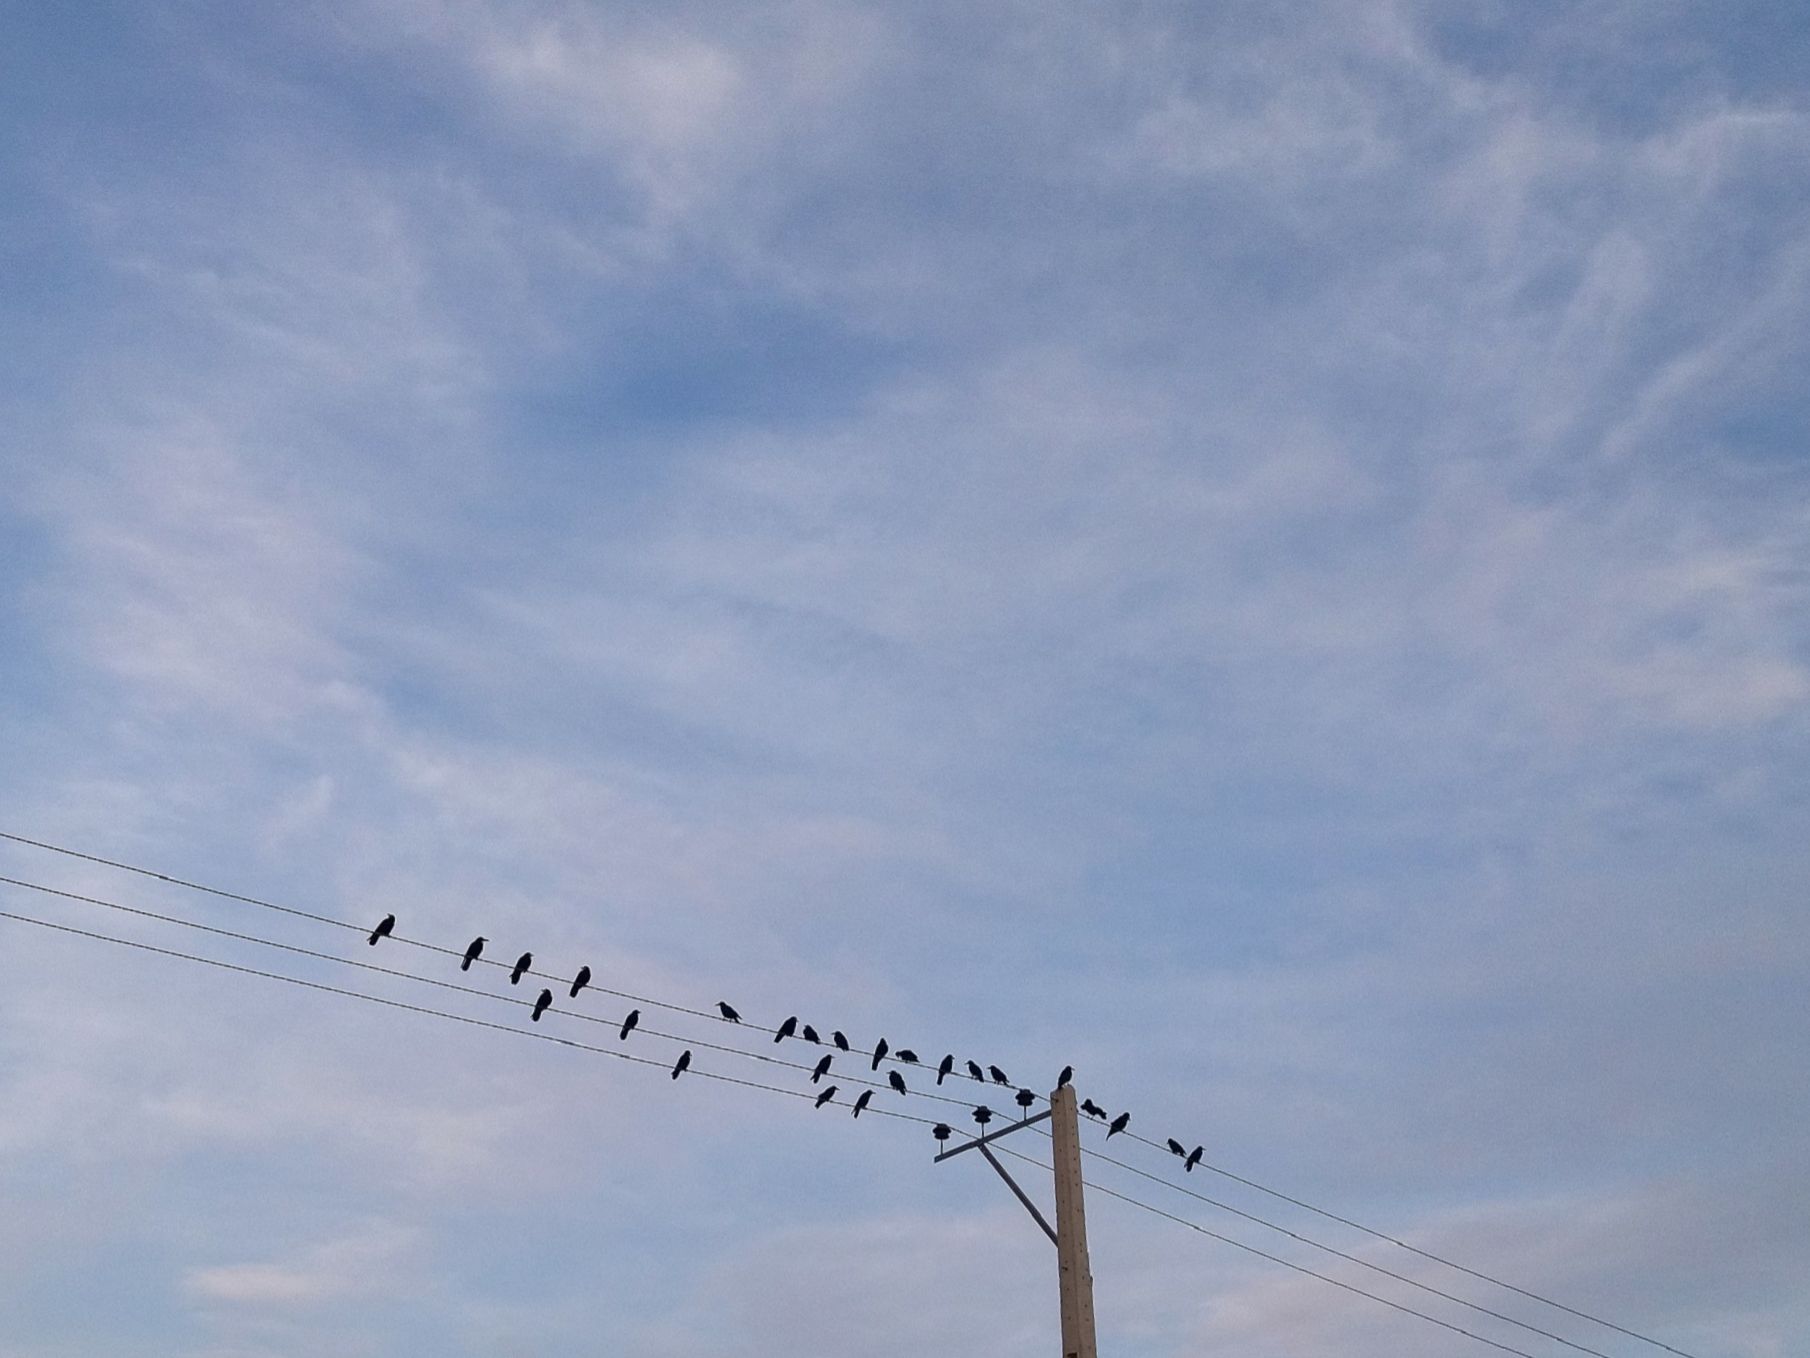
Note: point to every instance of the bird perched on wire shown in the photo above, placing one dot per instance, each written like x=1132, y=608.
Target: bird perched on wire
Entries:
x=786, y=1029
x=976, y=1072
x=1068, y=1073
x=387, y=923
x=1176, y=1147
x=683, y=1064
x=809, y=1034
x=879, y=1053
x=862, y=1102
x=896, y=1080
x=540, y=1005
x=1092, y=1109
x=906, y=1055
x=727, y=1011
x=580, y=981
x=943, y=1067
x=1119, y=1124
x=628, y=1025
x=821, y=1069
x=999, y=1076
x=840, y=1041
x=1026, y=1099
x=1193, y=1158
x=522, y=964
x=472, y=950
x=825, y=1097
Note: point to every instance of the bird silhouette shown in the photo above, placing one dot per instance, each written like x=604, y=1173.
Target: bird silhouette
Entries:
x=906, y=1055
x=1026, y=1099
x=983, y=1115
x=522, y=964
x=840, y=1041
x=821, y=1069
x=728, y=1012
x=999, y=1076
x=809, y=1034
x=382, y=930
x=1092, y=1109
x=1119, y=1124
x=943, y=1067
x=580, y=981
x=896, y=1080
x=786, y=1029
x=976, y=1072
x=942, y=1131
x=1176, y=1147
x=472, y=950
x=1068, y=1073
x=540, y=1005
x=628, y=1024
x=1194, y=1158
x=683, y=1064
x=879, y=1051
x=825, y=1097
x=862, y=1102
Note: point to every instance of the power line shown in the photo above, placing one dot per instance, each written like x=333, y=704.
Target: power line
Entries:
x=1278, y=1259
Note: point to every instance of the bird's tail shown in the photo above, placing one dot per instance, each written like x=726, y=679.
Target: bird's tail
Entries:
x=465, y=965
x=372, y=940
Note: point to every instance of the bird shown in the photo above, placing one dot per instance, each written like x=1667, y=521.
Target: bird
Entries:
x=976, y=1071
x=825, y=1097
x=1119, y=1124
x=879, y=1051
x=680, y=1066
x=896, y=1080
x=862, y=1102
x=1026, y=1098
x=580, y=981
x=382, y=930
x=628, y=1024
x=840, y=1041
x=999, y=1076
x=471, y=953
x=1193, y=1158
x=1176, y=1147
x=906, y=1055
x=1092, y=1109
x=821, y=1069
x=786, y=1029
x=942, y=1131
x=522, y=964
x=983, y=1115
x=809, y=1034
x=1068, y=1073
x=943, y=1067
x=540, y=1005
x=728, y=1012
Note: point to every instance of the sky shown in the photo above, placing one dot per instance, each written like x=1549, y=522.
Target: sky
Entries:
x=1260, y=552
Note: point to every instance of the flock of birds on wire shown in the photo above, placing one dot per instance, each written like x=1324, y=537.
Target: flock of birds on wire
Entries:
x=806, y=1033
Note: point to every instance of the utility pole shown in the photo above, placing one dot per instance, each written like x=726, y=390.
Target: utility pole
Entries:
x=1074, y=1279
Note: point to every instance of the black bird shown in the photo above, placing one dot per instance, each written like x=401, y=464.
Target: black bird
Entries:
x=906, y=1055
x=1176, y=1147
x=999, y=1076
x=382, y=930
x=522, y=964
x=983, y=1115
x=976, y=1072
x=727, y=1012
x=680, y=1066
x=942, y=1131
x=580, y=981
x=540, y=1005
x=1026, y=1098
x=840, y=1041
x=1194, y=1158
x=821, y=1069
x=1119, y=1124
x=862, y=1102
x=786, y=1029
x=943, y=1067
x=1092, y=1109
x=896, y=1080
x=809, y=1034
x=1068, y=1073
x=628, y=1024
x=879, y=1051
x=471, y=953
x=825, y=1097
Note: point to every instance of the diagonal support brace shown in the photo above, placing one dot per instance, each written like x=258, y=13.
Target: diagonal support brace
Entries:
x=1012, y=1184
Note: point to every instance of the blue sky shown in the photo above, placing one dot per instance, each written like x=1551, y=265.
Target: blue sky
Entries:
x=1261, y=554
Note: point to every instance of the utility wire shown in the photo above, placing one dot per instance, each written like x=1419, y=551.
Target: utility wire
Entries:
x=1278, y=1259
x=435, y=1013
